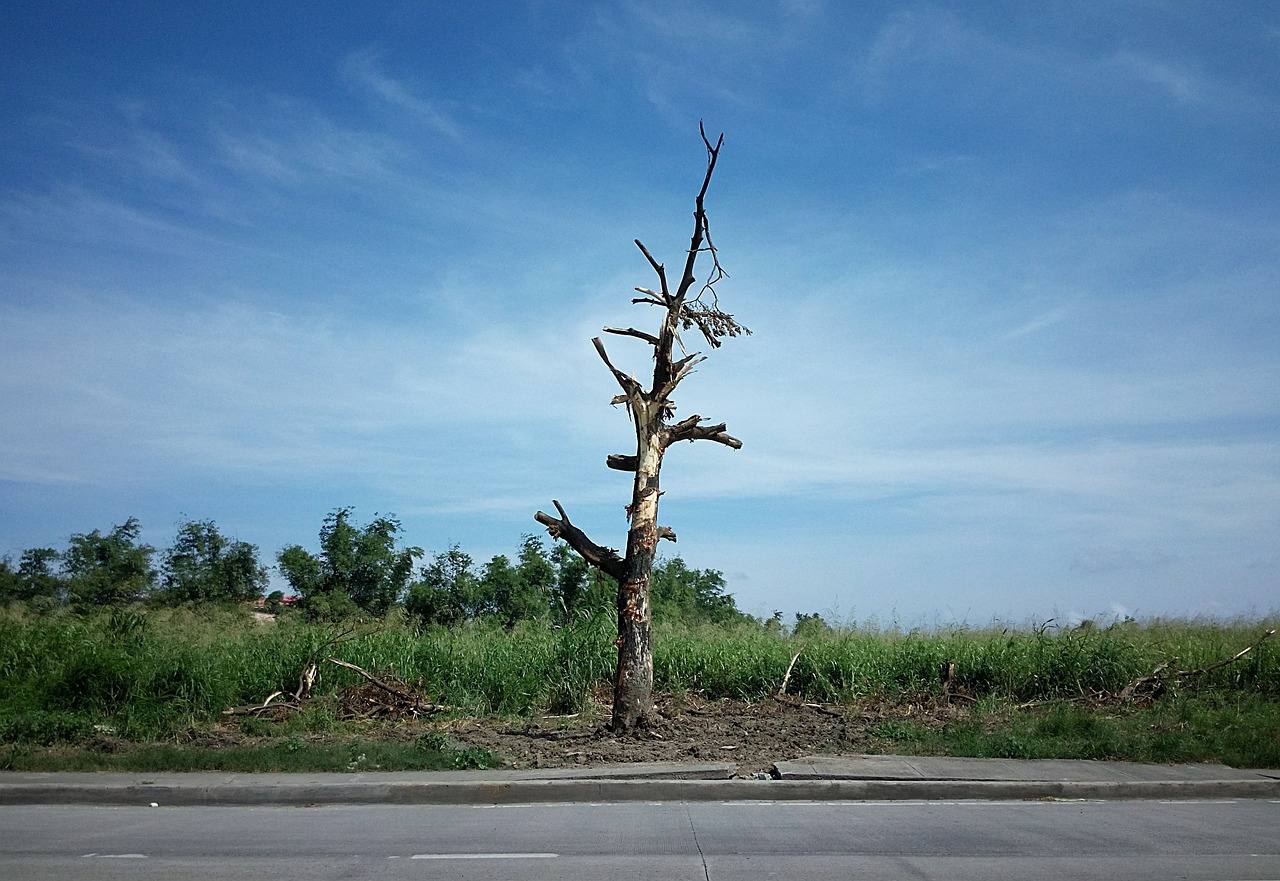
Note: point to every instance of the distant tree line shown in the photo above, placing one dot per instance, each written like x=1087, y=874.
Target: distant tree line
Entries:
x=356, y=571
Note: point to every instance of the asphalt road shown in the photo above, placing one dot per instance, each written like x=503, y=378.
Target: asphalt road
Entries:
x=697, y=841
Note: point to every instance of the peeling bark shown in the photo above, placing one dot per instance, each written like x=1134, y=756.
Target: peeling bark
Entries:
x=649, y=410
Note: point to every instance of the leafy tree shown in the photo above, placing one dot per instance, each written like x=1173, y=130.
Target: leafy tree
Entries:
x=38, y=569
x=111, y=569
x=692, y=594
x=651, y=411
x=36, y=577
x=204, y=566
x=536, y=584
x=302, y=570
x=449, y=592
x=10, y=583
x=579, y=590
x=810, y=626
x=503, y=591
x=357, y=569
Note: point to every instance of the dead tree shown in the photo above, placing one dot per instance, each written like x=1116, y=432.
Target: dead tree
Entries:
x=651, y=411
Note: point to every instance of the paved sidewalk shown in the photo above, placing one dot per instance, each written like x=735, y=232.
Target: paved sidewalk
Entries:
x=815, y=778
x=947, y=768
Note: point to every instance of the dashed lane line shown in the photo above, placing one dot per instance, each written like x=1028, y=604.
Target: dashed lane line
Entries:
x=484, y=856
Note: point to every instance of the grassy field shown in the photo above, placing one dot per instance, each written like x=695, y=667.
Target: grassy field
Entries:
x=159, y=677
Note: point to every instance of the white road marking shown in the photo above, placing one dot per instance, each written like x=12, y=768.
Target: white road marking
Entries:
x=115, y=856
x=903, y=803
x=484, y=856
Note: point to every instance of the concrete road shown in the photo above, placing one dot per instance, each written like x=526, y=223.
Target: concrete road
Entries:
x=697, y=841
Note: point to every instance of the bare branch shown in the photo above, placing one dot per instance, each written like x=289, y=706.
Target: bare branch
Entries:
x=660, y=270
x=634, y=393
x=631, y=331
x=1231, y=660
x=667, y=532
x=699, y=216
x=374, y=679
x=691, y=430
x=604, y=559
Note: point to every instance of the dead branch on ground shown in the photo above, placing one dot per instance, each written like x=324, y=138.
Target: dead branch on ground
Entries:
x=386, y=695
x=1160, y=677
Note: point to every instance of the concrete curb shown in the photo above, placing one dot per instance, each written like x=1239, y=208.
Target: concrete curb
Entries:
x=489, y=792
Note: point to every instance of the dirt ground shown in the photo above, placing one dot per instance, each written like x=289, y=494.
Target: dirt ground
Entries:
x=686, y=728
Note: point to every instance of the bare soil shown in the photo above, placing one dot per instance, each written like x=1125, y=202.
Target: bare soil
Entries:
x=686, y=728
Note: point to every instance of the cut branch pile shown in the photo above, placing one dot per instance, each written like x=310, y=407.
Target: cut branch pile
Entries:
x=385, y=696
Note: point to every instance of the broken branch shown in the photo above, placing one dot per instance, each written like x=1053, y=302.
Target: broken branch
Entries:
x=1158, y=677
x=375, y=680
x=604, y=559
x=1231, y=660
x=634, y=393
x=631, y=331
x=782, y=689
x=691, y=430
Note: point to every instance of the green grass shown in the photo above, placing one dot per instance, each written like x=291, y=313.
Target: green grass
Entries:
x=1240, y=730
x=292, y=754
x=152, y=677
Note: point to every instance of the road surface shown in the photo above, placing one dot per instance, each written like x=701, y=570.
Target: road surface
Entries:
x=1134, y=840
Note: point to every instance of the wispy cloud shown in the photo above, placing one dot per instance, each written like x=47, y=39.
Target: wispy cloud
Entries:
x=363, y=68
x=75, y=215
x=1040, y=322
x=241, y=390
x=995, y=66
x=1111, y=559
x=289, y=143
x=1181, y=83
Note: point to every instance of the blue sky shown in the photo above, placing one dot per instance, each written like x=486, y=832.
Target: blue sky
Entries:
x=1012, y=270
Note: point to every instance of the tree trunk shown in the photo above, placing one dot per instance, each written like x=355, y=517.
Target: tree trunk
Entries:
x=633, y=684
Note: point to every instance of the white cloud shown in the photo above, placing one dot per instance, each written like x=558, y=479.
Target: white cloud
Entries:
x=288, y=143
x=363, y=69
x=1183, y=84
x=1039, y=322
x=232, y=389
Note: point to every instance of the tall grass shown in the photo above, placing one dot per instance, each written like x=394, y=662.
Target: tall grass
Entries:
x=153, y=675
x=750, y=662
